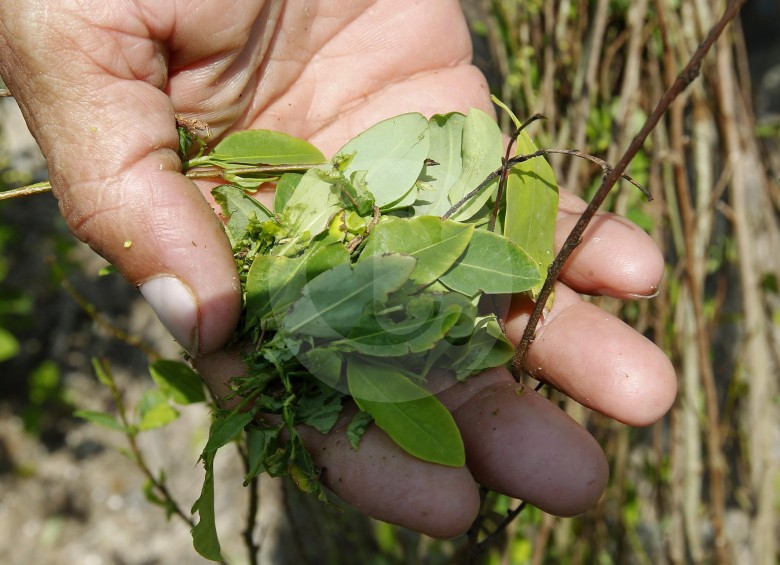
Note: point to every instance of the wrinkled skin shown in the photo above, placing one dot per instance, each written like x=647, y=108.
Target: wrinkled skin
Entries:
x=99, y=83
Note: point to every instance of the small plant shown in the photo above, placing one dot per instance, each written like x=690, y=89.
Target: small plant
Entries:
x=176, y=385
x=373, y=269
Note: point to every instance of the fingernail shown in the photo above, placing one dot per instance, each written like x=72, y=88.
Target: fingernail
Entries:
x=655, y=291
x=175, y=306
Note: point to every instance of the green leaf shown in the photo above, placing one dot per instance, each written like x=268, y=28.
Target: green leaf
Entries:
x=265, y=147
x=261, y=443
x=333, y=302
x=9, y=345
x=154, y=411
x=506, y=109
x=239, y=208
x=436, y=243
x=446, y=141
x=354, y=192
x=247, y=181
x=309, y=209
x=277, y=462
x=357, y=428
x=100, y=418
x=177, y=381
x=151, y=496
x=284, y=189
x=223, y=430
x=274, y=283
x=392, y=154
x=532, y=207
x=408, y=413
x=494, y=265
x=103, y=372
x=418, y=326
x=204, y=534
x=487, y=348
x=481, y=152
x=320, y=409
x=302, y=470
x=107, y=270
x=186, y=140
x=44, y=383
x=324, y=363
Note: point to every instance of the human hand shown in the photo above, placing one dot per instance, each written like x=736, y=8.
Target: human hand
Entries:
x=517, y=442
x=100, y=86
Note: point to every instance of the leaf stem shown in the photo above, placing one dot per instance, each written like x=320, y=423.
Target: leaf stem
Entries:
x=253, y=505
x=200, y=161
x=685, y=78
x=130, y=434
x=219, y=172
x=100, y=321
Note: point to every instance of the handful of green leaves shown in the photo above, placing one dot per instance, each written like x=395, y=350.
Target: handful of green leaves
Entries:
x=371, y=270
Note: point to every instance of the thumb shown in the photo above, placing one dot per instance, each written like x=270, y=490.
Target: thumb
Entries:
x=155, y=226
x=110, y=145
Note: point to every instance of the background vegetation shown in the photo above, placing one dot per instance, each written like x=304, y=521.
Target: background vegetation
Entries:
x=701, y=486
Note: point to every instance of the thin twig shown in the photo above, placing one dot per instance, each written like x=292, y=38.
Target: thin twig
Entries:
x=608, y=169
x=493, y=536
x=253, y=505
x=685, y=78
x=163, y=491
x=476, y=525
x=605, y=166
x=101, y=321
x=140, y=461
x=506, y=167
x=29, y=190
x=482, y=186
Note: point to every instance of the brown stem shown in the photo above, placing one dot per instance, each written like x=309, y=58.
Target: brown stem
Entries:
x=686, y=77
x=494, y=535
x=100, y=320
x=253, y=505
x=505, y=167
x=527, y=157
x=138, y=455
